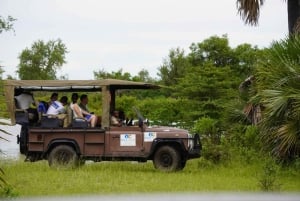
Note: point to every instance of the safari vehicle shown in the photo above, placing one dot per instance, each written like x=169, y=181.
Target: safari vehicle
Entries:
x=168, y=148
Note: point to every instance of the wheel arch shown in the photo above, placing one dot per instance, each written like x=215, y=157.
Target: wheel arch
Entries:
x=175, y=143
x=68, y=142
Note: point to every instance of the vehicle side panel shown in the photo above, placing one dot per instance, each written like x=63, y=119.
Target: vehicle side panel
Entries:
x=89, y=141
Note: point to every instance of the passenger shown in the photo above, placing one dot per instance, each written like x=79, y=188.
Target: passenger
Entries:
x=43, y=107
x=115, y=120
x=54, y=97
x=57, y=108
x=83, y=105
x=24, y=100
x=83, y=102
x=79, y=113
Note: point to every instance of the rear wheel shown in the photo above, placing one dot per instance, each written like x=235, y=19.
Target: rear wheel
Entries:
x=167, y=158
x=63, y=156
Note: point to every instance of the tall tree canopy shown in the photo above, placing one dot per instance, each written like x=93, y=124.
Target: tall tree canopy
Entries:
x=42, y=61
x=143, y=75
x=249, y=10
x=173, y=67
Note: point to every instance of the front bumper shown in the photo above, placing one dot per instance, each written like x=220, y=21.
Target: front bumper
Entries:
x=195, y=150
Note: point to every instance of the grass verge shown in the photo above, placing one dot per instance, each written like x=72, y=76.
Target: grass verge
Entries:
x=37, y=179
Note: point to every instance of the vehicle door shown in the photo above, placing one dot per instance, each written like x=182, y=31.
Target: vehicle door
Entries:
x=125, y=139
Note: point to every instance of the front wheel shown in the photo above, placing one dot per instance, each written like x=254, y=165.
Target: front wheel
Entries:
x=63, y=156
x=167, y=158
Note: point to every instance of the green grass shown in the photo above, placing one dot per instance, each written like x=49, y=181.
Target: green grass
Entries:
x=38, y=179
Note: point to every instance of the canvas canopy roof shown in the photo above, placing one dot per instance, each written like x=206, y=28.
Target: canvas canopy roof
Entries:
x=103, y=85
x=73, y=85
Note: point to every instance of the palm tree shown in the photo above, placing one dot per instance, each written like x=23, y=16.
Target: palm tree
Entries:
x=278, y=90
x=249, y=10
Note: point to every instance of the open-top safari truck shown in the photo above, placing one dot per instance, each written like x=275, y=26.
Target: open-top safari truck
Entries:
x=168, y=148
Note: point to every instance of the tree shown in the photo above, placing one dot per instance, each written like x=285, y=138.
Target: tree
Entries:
x=102, y=74
x=6, y=24
x=244, y=59
x=214, y=50
x=173, y=67
x=208, y=89
x=42, y=61
x=278, y=90
x=143, y=76
x=249, y=10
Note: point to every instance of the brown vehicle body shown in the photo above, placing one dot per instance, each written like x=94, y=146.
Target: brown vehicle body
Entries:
x=168, y=147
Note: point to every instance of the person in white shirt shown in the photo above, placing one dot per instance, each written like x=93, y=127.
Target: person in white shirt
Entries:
x=24, y=100
x=57, y=108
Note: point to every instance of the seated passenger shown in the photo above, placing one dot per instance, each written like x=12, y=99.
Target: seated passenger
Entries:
x=57, y=108
x=115, y=120
x=54, y=97
x=83, y=105
x=23, y=101
x=80, y=113
x=83, y=102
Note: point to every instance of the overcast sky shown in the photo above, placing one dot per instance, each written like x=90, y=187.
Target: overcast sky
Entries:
x=129, y=34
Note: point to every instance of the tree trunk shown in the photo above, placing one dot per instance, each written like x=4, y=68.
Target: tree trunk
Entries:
x=293, y=8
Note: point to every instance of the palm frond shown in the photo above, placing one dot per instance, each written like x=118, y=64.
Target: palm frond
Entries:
x=278, y=89
x=288, y=137
x=249, y=10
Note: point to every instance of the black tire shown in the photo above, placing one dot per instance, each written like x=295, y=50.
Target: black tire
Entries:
x=63, y=157
x=167, y=158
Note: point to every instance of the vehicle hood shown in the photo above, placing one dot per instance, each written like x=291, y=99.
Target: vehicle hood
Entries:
x=165, y=129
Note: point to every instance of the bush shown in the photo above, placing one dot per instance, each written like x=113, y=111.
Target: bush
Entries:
x=267, y=178
x=213, y=147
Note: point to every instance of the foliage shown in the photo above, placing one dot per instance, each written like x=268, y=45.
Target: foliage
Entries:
x=245, y=58
x=6, y=24
x=211, y=135
x=102, y=74
x=208, y=88
x=143, y=75
x=214, y=50
x=42, y=61
x=3, y=110
x=278, y=89
x=163, y=111
x=249, y=10
x=173, y=67
x=208, y=129
x=267, y=178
